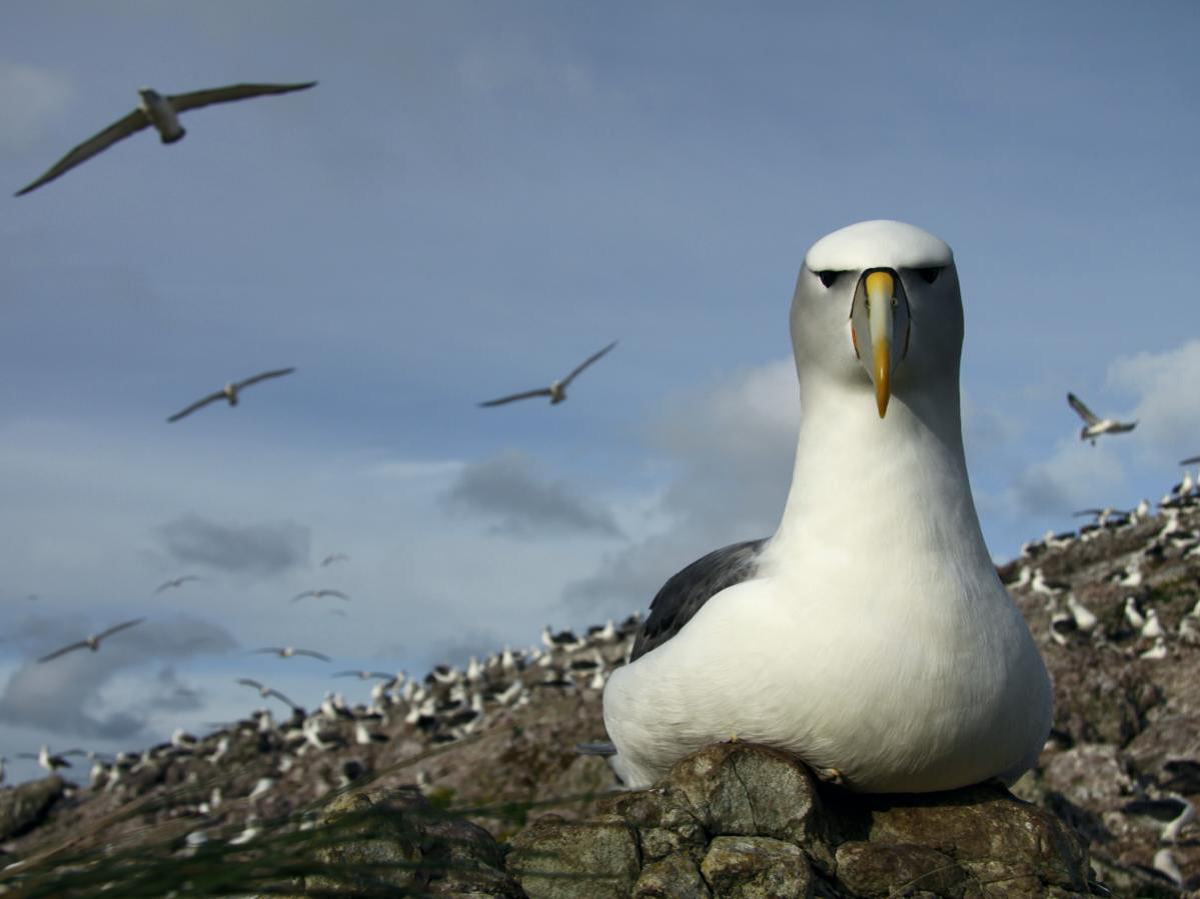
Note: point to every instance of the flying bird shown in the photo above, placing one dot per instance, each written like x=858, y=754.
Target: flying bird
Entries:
x=334, y=557
x=366, y=675
x=264, y=691
x=177, y=582
x=286, y=652
x=869, y=635
x=92, y=642
x=320, y=593
x=1093, y=425
x=230, y=391
x=556, y=391
x=161, y=112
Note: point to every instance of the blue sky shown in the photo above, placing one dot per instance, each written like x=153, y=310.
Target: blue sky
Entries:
x=475, y=197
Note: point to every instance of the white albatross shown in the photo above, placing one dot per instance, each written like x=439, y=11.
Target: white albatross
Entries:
x=161, y=112
x=230, y=391
x=556, y=391
x=871, y=635
x=1093, y=425
x=92, y=642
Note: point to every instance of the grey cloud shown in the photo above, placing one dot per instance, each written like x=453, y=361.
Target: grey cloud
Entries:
x=64, y=695
x=507, y=490
x=263, y=549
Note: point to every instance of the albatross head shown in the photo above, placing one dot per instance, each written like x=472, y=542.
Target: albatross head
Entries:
x=877, y=308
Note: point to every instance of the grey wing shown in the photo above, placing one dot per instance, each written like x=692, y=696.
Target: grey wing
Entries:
x=278, y=695
x=62, y=652
x=249, y=682
x=337, y=593
x=118, y=627
x=132, y=123
x=542, y=391
x=266, y=649
x=254, y=379
x=220, y=394
x=586, y=362
x=1082, y=512
x=1084, y=412
x=315, y=655
x=1191, y=460
x=196, y=99
x=682, y=596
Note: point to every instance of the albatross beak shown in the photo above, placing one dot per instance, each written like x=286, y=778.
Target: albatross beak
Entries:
x=881, y=295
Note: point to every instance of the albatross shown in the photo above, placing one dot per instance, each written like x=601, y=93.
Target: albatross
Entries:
x=870, y=635
x=230, y=391
x=556, y=391
x=161, y=112
x=1093, y=425
x=92, y=642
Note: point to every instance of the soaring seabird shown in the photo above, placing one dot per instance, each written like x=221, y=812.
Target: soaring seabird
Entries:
x=1095, y=426
x=334, y=557
x=92, y=642
x=264, y=691
x=177, y=582
x=871, y=634
x=556, y=391
x=286, y=652
x=161, y=112
x=230, y=391
x=320, y=593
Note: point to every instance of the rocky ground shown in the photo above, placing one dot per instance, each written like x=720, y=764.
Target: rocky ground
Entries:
x=1114, y=609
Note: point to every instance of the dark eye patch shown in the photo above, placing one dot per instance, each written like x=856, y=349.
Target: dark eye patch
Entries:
x=828, y=277
x=929, y=275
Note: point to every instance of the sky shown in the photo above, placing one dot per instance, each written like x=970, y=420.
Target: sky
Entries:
x=474, y=198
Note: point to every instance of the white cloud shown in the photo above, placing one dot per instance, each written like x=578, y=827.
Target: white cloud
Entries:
x=30, y=97
x=1166, y=408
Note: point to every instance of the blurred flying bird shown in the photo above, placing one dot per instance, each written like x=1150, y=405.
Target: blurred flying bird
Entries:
x=161, y=112
x=334, y=557
x=92, y=642
x=556, y=391
x=264, y=691
x=319, y=593
x=177, y=582
x=286, y=652
x=230, y=391
x=1094, y=425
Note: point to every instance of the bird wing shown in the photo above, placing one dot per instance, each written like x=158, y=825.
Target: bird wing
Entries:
x=684, y=593
x=164, y=585
x=118, y=627
x=82, y=644
x=586, y=362
x=254, y=379
x=1084, y=412
x=1190, y=460
x=196, y=99
x=315, y=655
x=300, y=596
x=249, y=682
x=278, y=695
x=543, y=391
x=220, y=394
x=132, y=123
x=346, y=674
x=338, y=593
x=1087, y=512
x=266, y=649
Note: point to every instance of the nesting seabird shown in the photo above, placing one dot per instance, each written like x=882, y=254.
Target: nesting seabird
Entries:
x=92, y=642
x=161, y=112
x=1093, y=425
x=286, y=652
x=230, y=391
x=871, y=634
x=556, y=391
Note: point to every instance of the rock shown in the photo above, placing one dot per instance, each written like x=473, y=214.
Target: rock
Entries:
x=397, y=841
x=885, y=869
x=756, y=868
x=24, y=807
x=673, y=877
x=554, y=858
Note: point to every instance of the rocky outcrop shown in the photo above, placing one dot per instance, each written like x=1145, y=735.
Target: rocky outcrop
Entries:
x=23, y=808
x=740, y=820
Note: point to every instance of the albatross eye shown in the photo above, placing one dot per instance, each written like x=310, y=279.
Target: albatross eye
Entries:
x=828, y=277
x=929, y=275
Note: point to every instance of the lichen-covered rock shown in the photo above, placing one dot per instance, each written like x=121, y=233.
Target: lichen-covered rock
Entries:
x=673, y=877
x=558, y=859
x=396, y=840
x=887, y=869
x=24, y=807
x=756, y=868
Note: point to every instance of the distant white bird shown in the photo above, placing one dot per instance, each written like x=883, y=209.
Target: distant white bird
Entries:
x=334, y=557
x=320, y=593
x=1085, y=619
x=365, y=675
x=556, y=391
x=1157, y=652
x=50, y=762
x=264, y=691
x=230, y=391
x=1094, y=426
x=1133, y=613
x=92, y=642
x=286, y=652
x=1153, y=628
x=1164, y=863
x=161, y=112
x=177, y=582
x=1173, y=812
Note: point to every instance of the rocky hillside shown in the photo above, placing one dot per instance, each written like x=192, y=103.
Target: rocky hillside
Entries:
x=1114, y=608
